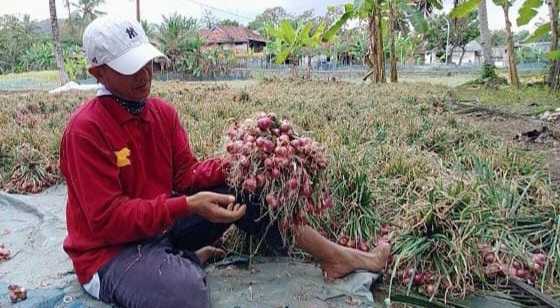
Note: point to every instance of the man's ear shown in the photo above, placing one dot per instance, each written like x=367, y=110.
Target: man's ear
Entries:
x=97, y=72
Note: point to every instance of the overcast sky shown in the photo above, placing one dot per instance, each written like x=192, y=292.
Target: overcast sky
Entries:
x=240, y=10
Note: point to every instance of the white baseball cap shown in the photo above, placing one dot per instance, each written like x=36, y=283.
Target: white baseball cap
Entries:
x=119, y=43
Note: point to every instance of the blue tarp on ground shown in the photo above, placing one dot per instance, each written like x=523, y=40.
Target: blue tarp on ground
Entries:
x=33, y=227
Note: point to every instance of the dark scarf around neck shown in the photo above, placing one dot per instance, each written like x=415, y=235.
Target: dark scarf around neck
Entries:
x=134, y=108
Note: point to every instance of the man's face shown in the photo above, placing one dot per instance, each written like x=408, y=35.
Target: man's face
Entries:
x=135, y=87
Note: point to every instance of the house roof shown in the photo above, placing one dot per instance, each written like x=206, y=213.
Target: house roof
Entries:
x=473, y=46
x=219, y=34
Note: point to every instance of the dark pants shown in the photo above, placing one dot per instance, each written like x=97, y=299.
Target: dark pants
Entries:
x=164, y=271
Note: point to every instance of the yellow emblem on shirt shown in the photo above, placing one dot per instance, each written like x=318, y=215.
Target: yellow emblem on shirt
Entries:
x=122, y=157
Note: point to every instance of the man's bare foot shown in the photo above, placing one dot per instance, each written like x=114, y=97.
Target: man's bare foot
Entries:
x=347, y=260
x=338, y=261
x=207, y=252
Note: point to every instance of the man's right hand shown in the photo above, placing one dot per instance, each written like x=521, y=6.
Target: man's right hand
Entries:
x=217, y=208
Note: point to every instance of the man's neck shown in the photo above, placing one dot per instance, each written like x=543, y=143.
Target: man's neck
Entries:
x=132, y=107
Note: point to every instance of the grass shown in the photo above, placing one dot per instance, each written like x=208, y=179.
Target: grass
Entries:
x=436, y=80
x=43, y=76
x=36, y=80
x=399, y=162
x=529, y=101
x=448, y=81
x=532, y=99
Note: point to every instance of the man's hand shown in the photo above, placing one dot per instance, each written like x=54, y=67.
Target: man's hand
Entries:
x=217, y=208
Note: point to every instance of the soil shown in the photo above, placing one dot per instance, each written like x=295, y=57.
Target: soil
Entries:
x=511, y=128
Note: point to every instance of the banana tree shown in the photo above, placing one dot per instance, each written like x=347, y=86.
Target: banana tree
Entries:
x=370, y=10
x=529, y=9
x=468, y=6
x=406, y=46
x=382, y=16
x=291, y=43
x=399, y=10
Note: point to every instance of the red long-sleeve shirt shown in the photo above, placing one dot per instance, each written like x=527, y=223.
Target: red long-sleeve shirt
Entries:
x=121, y=171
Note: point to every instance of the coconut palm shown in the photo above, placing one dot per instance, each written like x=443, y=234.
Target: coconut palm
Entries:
x=173, y=32
x=470, y=5
x=86, y=9
x=68, y=7
x=30, y=27
x=485, y=36
x=57, y=48
x=149, y=28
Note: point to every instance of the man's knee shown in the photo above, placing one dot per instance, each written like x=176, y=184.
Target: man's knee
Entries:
x=190, y=294
x=187, y=288
x=165, y=281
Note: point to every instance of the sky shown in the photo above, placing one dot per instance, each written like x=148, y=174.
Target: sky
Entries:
x=241, y=10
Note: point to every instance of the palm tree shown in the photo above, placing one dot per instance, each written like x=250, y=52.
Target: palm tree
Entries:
x=485, y=36
x=173, y=32
x=468, y=6
x=67, y=6
x=30, y=27
x=148, y=28
x=57, y=48
x=86, y=9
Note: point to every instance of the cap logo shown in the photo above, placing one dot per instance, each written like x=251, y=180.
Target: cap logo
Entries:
x=131, y=33
x=94, y=60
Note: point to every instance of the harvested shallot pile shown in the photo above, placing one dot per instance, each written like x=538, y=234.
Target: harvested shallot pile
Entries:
x=268, y=158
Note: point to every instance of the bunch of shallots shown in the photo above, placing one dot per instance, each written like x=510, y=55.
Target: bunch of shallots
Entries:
x=266, y=157
x=528, y=268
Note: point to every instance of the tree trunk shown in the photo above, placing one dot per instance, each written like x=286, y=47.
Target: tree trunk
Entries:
x=380, y=54
x=392, y=50
x=67, y=5
x=57, y=48
x=450, y=55
x=308, y=72
x=462, y=55
x=372, y=55
x=375, y=53
x=294, y=62
x=512, y=67
x=554, y=66
x=138, y=10
x=485, y=33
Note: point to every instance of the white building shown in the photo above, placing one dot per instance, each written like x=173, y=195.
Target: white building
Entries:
x=471, y=55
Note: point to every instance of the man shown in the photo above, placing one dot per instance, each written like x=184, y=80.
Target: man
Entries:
x=132, y=241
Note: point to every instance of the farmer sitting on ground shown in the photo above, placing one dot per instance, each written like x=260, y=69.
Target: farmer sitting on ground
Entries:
x=142, y=211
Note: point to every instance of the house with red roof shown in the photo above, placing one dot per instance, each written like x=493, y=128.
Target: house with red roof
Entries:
x=239, y=40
